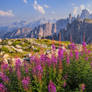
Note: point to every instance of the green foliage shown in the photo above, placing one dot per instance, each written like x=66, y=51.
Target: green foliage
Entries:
x=5, y=49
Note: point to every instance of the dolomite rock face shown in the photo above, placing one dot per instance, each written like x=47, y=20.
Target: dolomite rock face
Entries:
x=79, y=31
x=70, y=27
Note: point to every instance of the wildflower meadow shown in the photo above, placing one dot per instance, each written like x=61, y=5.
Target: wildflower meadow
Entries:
x=65, y=71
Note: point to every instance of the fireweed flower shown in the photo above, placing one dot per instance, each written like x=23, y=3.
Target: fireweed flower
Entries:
x=89, y=51
x=64, y=85
x=85, y=50
x=43, y=57
x=81, y=53
x=25, y=82
x=18, y=74
x=86, y=58
x=71, y=54
x=83, y=87
x=53, y=47
x=48, y=61
x=26, y=68
x=2, y=88
x=4, y=77
x=37, y=60
x=60, y=53
x=4, y=66
x=39, y=68
x=32, y=58
x=39, y=71
x=10, y=69
x=84, y=44
x=18, y=64
x=54, y=59
x=72, y=46
x=51, y=87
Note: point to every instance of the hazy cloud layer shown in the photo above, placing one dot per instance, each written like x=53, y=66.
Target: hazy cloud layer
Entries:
x=38, y=7
x=6, y=13
x=77, y=9
x=46, y=6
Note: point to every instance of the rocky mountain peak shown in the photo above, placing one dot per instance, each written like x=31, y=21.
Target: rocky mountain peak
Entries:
x=85, y=14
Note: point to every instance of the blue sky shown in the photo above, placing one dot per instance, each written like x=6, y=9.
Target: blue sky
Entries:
x=15, y=10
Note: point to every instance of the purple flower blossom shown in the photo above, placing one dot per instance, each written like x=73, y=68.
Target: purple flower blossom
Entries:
x=25, y=82
x=86, y=58
x=18, y=63
x=72, y=46
x=43, y=57
x=2, y=88
x=37, y=60
x=38, y=71
x=85, y=50
x=4, y=77
x=81, y=53
x=53, y=47
x=51, y=87
x=39, y=68
x=64, y=85
x=4, y=66
x=26, y=68
x=18, y=74
x=71, y=54
x=89, y=51
x=48, y=61
x=83, y=87
x=84, y=44
x=53, y=59
x=10, y=69
x=77, y=55
x=60, y=53
x=32, y=58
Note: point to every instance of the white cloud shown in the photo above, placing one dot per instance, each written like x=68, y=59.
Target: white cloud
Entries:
x=90, y=11
x=77, y=10
x=88, y=7
x=25, y=1
x=6, y=13
x=46, y=6
x=82, y=7
x=38, y=7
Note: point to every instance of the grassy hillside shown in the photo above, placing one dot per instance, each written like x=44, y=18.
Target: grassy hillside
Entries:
x=22, y=47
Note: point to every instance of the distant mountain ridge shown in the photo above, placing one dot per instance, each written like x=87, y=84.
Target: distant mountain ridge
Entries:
x=52, y=28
